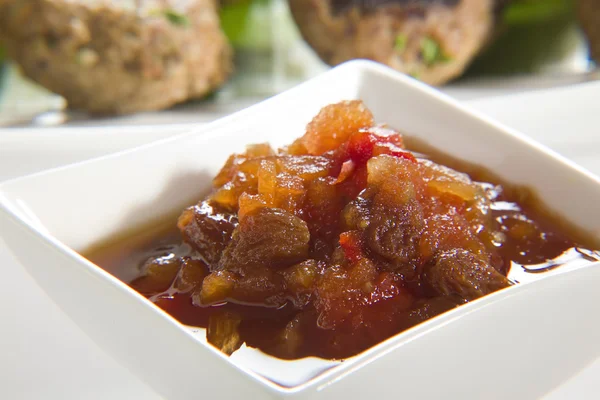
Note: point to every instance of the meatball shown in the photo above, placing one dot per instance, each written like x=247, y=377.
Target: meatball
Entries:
x=589, y=15
x=461, y=273
x=118, y=56
x=433, y=40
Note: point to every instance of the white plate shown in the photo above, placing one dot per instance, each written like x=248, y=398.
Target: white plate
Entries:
x=112, y=383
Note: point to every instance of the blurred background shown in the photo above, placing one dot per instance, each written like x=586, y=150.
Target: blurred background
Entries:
x=95, y=62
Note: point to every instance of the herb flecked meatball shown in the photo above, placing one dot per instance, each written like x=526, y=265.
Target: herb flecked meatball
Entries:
x=118, y=56
x=433, y=40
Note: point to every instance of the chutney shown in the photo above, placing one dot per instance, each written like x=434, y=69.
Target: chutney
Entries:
x=339, y=241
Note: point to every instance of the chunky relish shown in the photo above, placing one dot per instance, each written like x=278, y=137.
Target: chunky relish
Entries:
x=337, y=242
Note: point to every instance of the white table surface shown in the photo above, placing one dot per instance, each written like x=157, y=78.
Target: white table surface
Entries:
x=43, y=355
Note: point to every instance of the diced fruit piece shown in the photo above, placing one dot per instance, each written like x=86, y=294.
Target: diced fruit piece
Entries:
x=258, y=285
x=267, y=181
x=191, y=275
x=448, y=231
x=223, y=331
x=301, y=277
x=226, y=197
x=360, y=146
x=297, y=148
x=250, y=203
x=305, y=167
x=229, y=170
x=353, y=298
x=158, y=275
x=334, y=124
x=461, y=190
x=216, y=288
x=259, y=150
x=289, y=193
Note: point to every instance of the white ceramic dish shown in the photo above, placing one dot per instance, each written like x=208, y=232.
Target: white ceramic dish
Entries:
x=61, y=363
x=464, y=352
x=27, y=150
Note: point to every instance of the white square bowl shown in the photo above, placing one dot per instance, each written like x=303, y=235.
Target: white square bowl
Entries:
x=517, y=343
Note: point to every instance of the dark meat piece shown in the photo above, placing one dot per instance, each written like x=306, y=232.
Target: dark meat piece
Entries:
x=460, y=272
x=389, y=214
x=208, y=230
x=395, y=234
x=256, y=285
x=432, y=40
x=391, y=232
x=267, y=237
